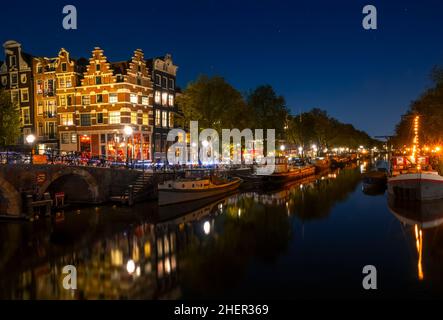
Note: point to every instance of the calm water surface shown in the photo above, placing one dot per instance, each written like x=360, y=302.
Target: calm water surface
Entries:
x=311, y=239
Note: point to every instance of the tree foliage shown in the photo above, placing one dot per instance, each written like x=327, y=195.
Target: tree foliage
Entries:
x=429, y=106
x=214, y=103
x=9, y=120
x=269, y=110
x=317, y=127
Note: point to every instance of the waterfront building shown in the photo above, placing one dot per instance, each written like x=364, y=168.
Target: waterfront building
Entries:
x=45, y=102
x=110, y=97
x=163, y=74
x=69, y=73
x=16, y=78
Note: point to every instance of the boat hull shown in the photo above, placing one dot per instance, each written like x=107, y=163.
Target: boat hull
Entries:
x=279, y=179
x=169, y=197
x=416, y=186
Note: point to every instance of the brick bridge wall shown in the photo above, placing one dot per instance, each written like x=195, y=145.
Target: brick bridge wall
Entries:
x=80, y=184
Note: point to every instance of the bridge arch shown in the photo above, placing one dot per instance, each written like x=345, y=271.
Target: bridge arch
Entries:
x=73, y=182
x=10, y=198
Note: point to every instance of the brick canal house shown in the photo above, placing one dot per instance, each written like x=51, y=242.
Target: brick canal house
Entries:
x=16, y=77
x=81, y=105
x=165, y=110
x=110, y=97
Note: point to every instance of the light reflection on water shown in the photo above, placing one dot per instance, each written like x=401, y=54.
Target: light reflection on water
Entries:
x=307, y=240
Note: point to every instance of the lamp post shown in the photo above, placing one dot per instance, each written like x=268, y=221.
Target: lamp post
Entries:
x=282, y=149
x=128, y=132
x=30, y=139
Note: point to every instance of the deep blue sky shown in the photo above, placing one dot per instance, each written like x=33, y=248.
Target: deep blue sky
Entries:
x=315, y=53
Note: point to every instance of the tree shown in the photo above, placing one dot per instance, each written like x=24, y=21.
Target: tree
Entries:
x=9, y=120
x=429, y=106
x=214, y=103
x=269, y=110
x=317, y=127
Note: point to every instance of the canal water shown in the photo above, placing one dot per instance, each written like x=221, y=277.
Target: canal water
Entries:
x=311, y=239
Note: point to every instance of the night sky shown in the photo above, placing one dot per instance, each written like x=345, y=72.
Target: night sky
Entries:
x=315, y=53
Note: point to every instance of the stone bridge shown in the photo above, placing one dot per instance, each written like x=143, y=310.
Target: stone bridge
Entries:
x=80, y=184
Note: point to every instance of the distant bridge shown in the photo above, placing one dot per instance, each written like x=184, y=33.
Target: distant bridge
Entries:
x=80, y=184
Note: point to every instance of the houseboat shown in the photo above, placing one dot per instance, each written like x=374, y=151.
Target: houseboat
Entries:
x=414, y=180
x=282, y=174
x=195, y=185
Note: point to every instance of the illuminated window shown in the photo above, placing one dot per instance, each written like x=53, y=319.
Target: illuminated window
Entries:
x=62, y=101
x=133, y=98
x=145, y=100
x=157, y=97
x=86, y=100
x=114, y=117
x=40, y=108
x=113, y=98
x=164, y=119
x=145, y=119
x=50, y=108
x=157, y=117
x=164, y=98
x=134, y=117
x=171, y=100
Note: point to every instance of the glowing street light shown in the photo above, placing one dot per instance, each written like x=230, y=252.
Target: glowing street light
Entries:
x=282, y=147
x=30, y=139
x=128, y=131
x=207, y=227
x=130, y=266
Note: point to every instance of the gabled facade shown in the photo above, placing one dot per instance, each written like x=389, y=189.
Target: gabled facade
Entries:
x=109, y=97
x=165, y=110
x=45, y=103
x=17, y=78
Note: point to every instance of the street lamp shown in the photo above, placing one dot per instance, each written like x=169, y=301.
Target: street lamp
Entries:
x=314, y=148
x=128, y=132
x=30, y=139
